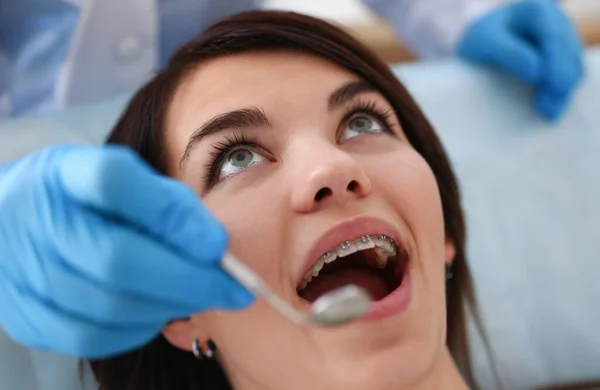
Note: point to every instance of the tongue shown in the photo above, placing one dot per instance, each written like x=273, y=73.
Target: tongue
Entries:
x=366, y=278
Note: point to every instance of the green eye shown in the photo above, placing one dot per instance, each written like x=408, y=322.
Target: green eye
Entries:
x=360, y=124
x=240, y=158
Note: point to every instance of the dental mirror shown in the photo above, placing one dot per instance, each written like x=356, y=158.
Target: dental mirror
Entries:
x=335, y=308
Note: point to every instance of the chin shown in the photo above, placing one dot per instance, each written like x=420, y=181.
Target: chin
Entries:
x=398, y=367
x=391, y=353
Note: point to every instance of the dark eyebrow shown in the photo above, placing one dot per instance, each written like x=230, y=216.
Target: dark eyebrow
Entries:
x=244, y=118
x=254, y=117
x=347, y=92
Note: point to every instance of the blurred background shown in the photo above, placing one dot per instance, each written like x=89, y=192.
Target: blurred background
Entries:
x=530, y=190
x=357, y=18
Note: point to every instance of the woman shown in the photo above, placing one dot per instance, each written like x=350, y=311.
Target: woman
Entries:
x=308, y=150
x=288, y=130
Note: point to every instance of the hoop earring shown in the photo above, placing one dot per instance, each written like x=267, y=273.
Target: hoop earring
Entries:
x=199, y=354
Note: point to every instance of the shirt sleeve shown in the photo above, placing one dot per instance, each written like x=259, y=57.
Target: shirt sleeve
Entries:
x=431, y=28
x=34, y=42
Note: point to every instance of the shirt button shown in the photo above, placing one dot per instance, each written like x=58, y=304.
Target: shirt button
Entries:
x=129, y=49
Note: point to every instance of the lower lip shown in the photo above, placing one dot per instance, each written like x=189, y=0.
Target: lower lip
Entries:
x=394, y=303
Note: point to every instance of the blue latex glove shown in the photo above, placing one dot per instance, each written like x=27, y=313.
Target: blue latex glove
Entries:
x=535, y=41
x=98, y=252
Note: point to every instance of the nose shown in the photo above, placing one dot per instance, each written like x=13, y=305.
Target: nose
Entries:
x=336, y=178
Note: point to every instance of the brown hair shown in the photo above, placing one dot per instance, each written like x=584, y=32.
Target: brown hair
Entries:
x=160, y=366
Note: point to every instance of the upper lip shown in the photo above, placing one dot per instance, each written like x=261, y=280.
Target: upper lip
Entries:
x=347, y=230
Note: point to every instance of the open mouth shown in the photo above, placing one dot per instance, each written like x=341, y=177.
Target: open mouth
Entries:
x=375, y=263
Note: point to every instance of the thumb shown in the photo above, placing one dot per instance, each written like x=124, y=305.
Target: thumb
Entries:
x=509, y=53
x=513, y=54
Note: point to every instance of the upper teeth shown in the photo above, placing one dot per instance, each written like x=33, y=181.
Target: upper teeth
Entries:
x=385, y=248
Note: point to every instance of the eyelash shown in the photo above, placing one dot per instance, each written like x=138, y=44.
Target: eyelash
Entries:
x=222, y=148
x=372, y=108
x=230, y=142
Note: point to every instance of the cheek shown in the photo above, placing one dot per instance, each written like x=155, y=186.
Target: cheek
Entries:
x=409, y=186
x=250, y=342
x=253, y=217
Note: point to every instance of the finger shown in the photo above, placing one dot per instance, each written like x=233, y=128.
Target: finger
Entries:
x=559, y=45
x=541, y=19
x=550, y=105
x=33, y=323
x=563, y=69
x=515, y=56
x=117, y=257
x=65, y=288
x=117, y=182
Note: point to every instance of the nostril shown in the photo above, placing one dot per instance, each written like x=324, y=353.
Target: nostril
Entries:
x=352, y=186
x=322, y=193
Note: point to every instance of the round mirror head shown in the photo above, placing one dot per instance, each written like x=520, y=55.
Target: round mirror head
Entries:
x=341, y=306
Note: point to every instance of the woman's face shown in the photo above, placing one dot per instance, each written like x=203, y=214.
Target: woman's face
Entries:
x=297, y=156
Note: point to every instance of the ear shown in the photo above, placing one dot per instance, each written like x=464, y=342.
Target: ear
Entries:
x=182, y=333
x=450, y=251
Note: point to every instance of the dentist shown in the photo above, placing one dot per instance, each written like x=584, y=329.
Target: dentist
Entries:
x=58, y=53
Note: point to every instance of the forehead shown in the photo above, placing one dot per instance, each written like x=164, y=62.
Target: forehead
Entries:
x=266, y=71
x=273, y=81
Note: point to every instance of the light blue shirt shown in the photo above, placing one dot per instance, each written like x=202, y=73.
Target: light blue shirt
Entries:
x=58, y=53
x=34, y=40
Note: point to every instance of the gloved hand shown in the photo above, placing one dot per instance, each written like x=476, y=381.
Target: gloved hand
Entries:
x=98, y=252
x=535, y=41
